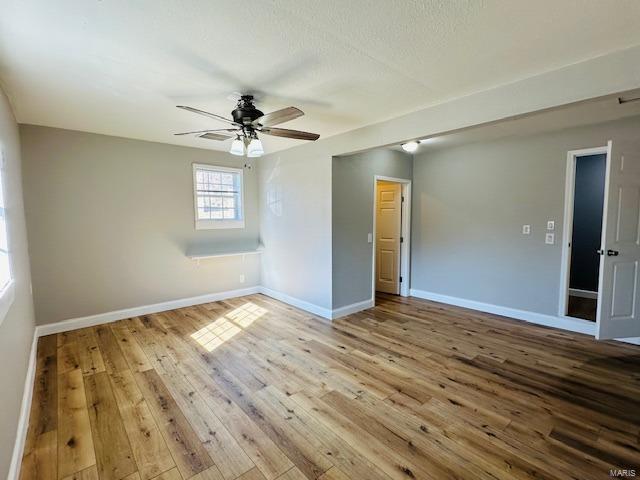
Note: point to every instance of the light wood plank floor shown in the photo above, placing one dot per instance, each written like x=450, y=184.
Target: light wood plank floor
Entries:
x=253, y=389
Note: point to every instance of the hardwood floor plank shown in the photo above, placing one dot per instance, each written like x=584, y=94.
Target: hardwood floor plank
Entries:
x=173, y=474
x=334, y=474
x=253, y=389
x=43, y=415
x=212, y=473
x=266, y=455
x=253, y=474
x=90, y=473
x=113, y=452
x=89, y=355
x=111, y=354
x=149, y=448
x=293, y=474
x=131, y=350
x=184, y=444
x=226, y=453
x=41, y=461
x=75, y=442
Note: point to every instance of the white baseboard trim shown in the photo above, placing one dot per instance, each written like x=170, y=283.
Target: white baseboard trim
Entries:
x=107, y=317
x=565, y=323
x=353, y=308
x=25, y=409
x=296, y=302
x=576, y=292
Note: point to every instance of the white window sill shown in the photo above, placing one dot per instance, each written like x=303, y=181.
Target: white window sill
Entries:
x=7, y=296
x=214, y=224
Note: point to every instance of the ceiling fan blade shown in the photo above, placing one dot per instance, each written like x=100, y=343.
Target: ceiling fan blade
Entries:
x=285, y=132
x=279, y=116
x=207, y=114
x=215, y=136
x=206, y=131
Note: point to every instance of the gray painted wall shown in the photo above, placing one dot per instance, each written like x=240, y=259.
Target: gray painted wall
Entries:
x=298, y=257
x=352, y=207
x=469, y=205
x=587, y=222
x=16, y=331
x=295, y=221
x=111, y=220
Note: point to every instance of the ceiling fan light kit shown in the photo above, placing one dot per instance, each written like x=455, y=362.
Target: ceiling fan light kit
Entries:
x=237, y=147
x=247, y=122
x=255, y=148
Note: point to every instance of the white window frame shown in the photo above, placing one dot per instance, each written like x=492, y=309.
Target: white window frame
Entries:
x=7, y=295
x=206, y=224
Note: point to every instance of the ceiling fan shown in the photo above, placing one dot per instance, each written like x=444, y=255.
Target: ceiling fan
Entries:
x=247, y=122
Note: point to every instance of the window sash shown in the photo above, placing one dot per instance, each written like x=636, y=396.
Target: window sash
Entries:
x=218, y=197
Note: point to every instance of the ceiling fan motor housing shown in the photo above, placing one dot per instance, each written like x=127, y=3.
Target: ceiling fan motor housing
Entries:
x=246, y=112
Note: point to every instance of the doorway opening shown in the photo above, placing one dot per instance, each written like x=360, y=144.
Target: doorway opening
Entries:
x=582, y=246
x=391, y=232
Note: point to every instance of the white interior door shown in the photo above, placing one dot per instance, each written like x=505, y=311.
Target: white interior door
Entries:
x=619, y=308
x=388, y=231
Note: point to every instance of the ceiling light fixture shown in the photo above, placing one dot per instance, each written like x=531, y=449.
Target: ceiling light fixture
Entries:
x=255, y=147
x=237, y=147
x=410, y=146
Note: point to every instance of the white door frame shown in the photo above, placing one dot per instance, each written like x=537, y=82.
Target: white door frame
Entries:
x=405, y=233
x=567, y=230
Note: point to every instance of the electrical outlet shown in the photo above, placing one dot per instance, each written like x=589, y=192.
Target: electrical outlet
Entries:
x=549, y=238
x=551, y=225
x=526, y=229
x=242, y=278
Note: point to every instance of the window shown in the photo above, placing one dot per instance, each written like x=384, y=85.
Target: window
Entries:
x=218, y=197
x=6, y=281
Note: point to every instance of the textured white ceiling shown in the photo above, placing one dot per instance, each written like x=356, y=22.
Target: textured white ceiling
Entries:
x=119, y=67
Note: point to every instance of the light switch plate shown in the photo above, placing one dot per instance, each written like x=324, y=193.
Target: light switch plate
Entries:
x=369, y=237
x=549, y=238
x=551, y=225
x=526, y=229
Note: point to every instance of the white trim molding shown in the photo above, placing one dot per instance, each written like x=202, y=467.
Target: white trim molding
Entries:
x=207, y=224
x=25, y=409
x=353, y=308
x=296, y=302
x=565, y=323
x=405, y=233
x=108, y=317
x=567, y=227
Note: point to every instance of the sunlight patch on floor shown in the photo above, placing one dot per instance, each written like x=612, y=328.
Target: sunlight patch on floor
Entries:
x=228, y=326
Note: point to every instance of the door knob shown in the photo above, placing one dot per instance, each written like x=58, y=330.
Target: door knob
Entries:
x=612, y=253
x=600, y=251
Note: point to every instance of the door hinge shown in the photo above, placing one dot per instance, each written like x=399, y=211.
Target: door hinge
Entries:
x=400, y=279
x=402, y=198
x=401, y=239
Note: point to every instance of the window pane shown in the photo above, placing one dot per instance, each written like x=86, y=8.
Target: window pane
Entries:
x=218, y=195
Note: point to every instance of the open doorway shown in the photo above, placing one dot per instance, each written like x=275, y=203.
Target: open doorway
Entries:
x=391, y=232
x=584, y=210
